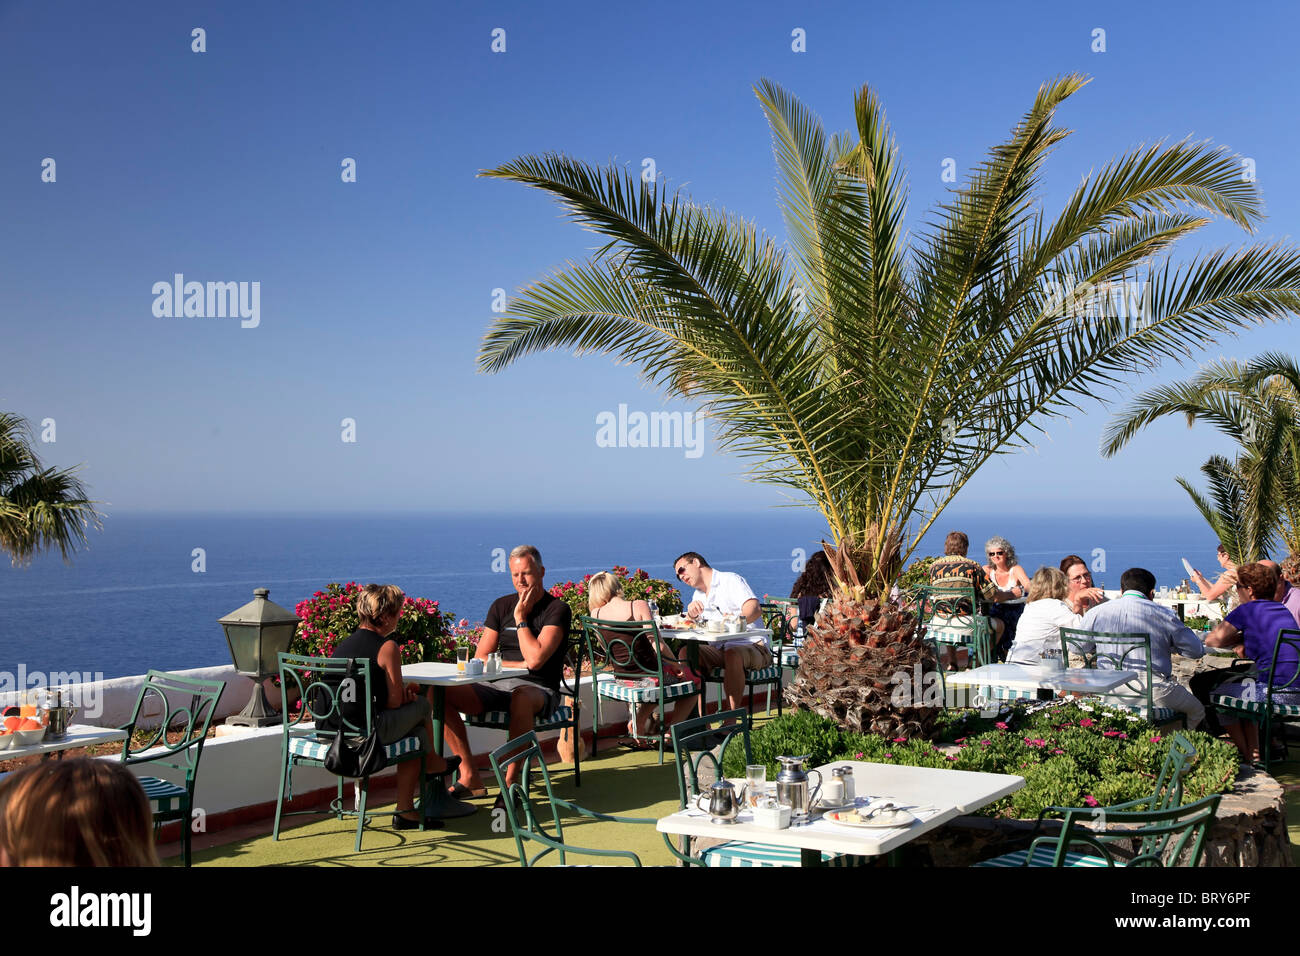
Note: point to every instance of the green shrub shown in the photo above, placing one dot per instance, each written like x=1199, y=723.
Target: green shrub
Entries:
x=1076, y=753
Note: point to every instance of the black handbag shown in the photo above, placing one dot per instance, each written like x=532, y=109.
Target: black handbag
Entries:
x=366, y=758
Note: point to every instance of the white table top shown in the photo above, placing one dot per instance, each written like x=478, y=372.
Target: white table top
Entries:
x=1027, y=677
x=437, y=673
x=707, y=637
x=944, y=795
x=79, y=735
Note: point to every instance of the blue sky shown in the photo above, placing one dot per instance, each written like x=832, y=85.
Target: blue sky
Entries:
x=225, y=166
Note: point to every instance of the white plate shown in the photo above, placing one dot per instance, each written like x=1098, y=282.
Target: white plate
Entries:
x=889, y=818
x=1191, y=571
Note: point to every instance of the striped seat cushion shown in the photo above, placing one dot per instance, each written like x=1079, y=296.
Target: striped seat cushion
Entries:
x=167, y=796
x=1007, y=693
x=616, y=691
x=1043, y=856
x=1159, y=715
x=310, y=748
x=751, y=677
x=1241, y=706
x=500, y=719
x=738, y=853
x=789, y=657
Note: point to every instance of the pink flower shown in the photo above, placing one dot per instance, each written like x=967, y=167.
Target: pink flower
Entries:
x=984, y=743
x=900, y=740
x=1090, y=800
x=1155, y=739
x=889, y=755
x=1058, y=751
x=858, y=755
x=1086, y=722
x=1111, y=733
x=959, y=740
x=951, y=757
x=1000, y=725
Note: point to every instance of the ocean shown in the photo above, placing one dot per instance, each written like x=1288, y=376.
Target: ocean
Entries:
x=149, y=590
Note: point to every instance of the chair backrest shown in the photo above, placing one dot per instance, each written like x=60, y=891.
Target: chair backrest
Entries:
x=627, y=649
x=1288, y=639
x=1114, y=650
x=185, y=706
x=521, y=811
x=1172, y=836
x=575, y=643
x=702, y=742
x=775, y=620
x=1168, y=791
x=321, y=685
x=956, y=600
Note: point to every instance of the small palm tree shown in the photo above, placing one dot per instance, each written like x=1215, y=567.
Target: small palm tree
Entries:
x=875, y=373
x=1254, y=497
x=40, y=507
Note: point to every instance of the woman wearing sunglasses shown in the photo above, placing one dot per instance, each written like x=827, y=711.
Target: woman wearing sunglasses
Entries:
x=1007, y=575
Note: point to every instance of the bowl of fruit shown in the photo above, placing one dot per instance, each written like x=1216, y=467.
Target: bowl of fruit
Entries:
x=22, y=728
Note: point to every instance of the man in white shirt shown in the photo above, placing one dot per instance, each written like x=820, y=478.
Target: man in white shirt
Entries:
x=722, y=592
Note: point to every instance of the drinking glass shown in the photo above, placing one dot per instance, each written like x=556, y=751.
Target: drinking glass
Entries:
x=462, y=655
x=755, y=783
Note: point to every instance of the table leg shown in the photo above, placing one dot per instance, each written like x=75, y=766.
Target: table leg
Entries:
x=809, y=857
x=443, y=805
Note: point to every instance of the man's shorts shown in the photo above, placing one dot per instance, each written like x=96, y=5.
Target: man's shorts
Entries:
x=753, y=656
x=495, y=695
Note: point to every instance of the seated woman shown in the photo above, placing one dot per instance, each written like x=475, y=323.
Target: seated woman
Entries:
x=606, y=602
x=811, y=587
x=1045, y=614
x=397, y=710
x=1007, y=575
x=1224, y=584
x=1083, y=596
x=1251, y=628
x=75, y=812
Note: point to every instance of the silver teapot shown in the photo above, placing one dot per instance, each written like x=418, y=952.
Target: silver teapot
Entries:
x=792, y=787
x=724, y=803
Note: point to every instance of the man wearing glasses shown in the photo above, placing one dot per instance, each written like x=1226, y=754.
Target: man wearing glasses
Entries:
x=723, y=592
x=1083, y=595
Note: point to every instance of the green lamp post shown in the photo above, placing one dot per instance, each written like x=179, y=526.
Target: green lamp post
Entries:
x=256, y=634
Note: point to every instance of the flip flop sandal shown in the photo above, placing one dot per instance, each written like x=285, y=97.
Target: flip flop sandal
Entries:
x=462, y=792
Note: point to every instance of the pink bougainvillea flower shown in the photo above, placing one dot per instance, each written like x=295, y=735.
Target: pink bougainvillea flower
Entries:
x=889, y=755
x=1087, y=722
x=1111, y=733
x=858, y=755
x=1090, y=800
x=1000, y=725
x=984, y=743
x=1155, y=739
x=951, y=757
x=1058, y=751
x=900, y=740
x=959, y=740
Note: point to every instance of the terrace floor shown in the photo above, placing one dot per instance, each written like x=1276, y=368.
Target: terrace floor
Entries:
x=620, y=781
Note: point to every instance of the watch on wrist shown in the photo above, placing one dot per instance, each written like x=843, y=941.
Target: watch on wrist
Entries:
x=520, y=624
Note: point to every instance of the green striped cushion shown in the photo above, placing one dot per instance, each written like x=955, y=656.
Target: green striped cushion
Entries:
x=310, y=748
x=789, y=657
x=500, y=719
x=737, y=853
x=1007, y=693
x=751, y=677
x=1043, y=856
x=1237, y=705
x=167, y=796
x=616, y=691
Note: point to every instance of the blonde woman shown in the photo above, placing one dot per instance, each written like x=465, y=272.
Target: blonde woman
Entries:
x=606, y=602
x=397, y=710
x=1045, y=614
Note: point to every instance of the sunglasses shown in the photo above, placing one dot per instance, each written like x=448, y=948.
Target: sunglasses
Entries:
x=681, y=571
x=996, y=553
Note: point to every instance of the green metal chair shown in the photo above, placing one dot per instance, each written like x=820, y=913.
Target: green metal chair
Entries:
x=180, y=703
x=522, y=810
x=619, y=672
x=318, y=683
x=566, y=717
x=700, y=747
x=1166, y=794
x=951, y=621
x=1108, y=650
x=1261, y=707
x=770, y=676
x=1174, y=836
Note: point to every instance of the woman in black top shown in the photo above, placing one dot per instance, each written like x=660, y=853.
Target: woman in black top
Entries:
x=398, y=710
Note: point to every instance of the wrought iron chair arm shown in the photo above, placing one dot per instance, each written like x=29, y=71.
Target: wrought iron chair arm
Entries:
x=555, y=845
x=684, y=857
x=1075, y=839
x=596, y=815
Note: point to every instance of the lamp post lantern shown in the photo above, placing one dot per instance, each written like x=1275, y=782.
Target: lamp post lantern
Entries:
x=256, y=634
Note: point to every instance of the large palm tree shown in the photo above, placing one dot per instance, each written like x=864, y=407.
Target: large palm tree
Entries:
x=40, y=508
x=875, y=373
x=1255, y=496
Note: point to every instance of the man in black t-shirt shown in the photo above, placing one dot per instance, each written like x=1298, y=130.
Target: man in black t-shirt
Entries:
x=529, y=628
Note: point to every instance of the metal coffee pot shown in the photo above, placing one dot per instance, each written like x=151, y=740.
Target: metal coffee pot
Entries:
x=724, y=804
x=792, y=787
